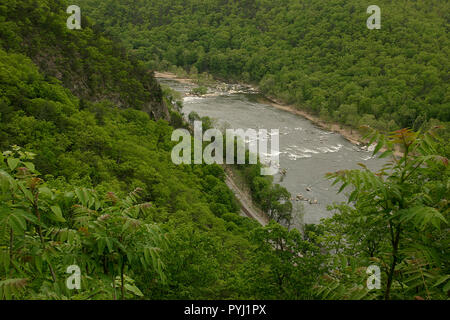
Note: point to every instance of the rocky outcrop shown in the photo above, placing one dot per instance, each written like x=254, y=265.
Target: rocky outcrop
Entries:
x=88, y=63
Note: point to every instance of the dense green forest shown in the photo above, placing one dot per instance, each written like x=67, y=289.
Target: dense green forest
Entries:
x=86, y=179
x=315, y=54
x=94, y=184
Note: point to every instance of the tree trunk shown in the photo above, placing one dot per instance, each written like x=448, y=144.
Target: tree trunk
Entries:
x=114, y=287
x=393, y=264
x=121, y=281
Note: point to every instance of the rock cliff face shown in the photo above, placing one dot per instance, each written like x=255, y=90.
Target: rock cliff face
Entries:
x=87, y=62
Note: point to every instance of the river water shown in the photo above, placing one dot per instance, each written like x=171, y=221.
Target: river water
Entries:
x=307, y=151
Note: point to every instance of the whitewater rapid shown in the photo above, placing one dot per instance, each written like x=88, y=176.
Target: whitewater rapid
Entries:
x=307, y=152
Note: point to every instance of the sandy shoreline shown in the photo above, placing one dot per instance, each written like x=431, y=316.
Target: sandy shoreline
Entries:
x=168, y=75
x=352, y=135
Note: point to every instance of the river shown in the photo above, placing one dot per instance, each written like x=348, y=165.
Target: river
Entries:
x=307, y=151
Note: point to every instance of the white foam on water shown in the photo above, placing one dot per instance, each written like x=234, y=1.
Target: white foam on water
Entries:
x=293, y=156
x=191, y=99
x=325, y=149
x=305, y=150
x=269, y=155
x=330, y=149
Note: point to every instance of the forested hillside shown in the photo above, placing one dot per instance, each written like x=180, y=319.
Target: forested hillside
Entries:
x=93, y=67
x=318, y=55
x=86, y=179
x=86, y=176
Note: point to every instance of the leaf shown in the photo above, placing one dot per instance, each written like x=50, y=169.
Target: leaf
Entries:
x=13, y=163
x=135, y=290
x=374, y=137
x=422, y=216
x=58, y=216
x=343, y=187
x=84, y=195
x=38, y=261
x=385, y=154
x=147, y=256
x=362, y=165
x=446, y=287
x=70, y=236
x=98, y=205
x=353, y=196
x=15, y=218
x=17, y=223
x=6, y=180
x=69, y=195
x=109, y=244
x=442, y=280
x=359, y=294
x=101, y=246
x=46, y=192
x=379, y=145
x=81, y=196
x=29, y=166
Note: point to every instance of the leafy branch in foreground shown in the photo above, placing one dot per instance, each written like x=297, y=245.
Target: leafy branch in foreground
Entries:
x=398, y=216
x=43, y=231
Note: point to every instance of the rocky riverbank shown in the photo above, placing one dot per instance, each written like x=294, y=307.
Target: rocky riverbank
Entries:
x=350, y=134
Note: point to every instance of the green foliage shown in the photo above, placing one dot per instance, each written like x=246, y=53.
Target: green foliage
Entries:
x=283, y=265
x=199, y=91
x=316, y=54
x=74, y=202
x=273, y=199
x=398, y=218
x=46, y=230
x=94, y=184
x=92, y=66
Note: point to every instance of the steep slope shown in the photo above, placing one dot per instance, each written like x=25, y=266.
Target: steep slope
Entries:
x=92, y=66
x=91, y=183
x=101, y=191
